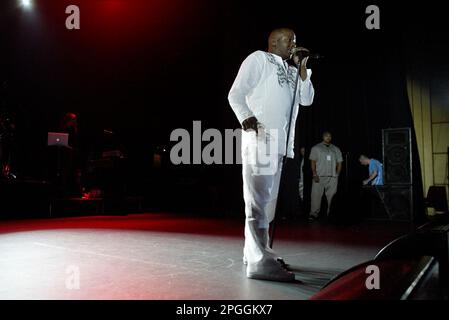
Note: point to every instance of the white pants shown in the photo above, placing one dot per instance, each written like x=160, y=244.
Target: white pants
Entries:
x=260, y=192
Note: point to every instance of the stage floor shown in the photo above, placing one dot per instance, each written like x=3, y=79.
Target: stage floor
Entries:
x=168, y=256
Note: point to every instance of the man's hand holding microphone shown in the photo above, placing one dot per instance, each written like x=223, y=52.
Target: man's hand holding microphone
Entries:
x=300, y=57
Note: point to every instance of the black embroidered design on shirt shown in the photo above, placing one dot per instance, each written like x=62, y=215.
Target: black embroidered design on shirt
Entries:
x=291, y=77
x=283, y=77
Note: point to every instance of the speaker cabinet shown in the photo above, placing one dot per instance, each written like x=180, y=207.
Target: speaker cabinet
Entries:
x=392, y=202
x=397, y=156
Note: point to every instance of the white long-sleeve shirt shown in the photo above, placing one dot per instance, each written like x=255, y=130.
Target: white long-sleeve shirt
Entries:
x=264, y=88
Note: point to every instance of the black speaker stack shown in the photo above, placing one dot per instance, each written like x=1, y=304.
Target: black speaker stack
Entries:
x=397, y=192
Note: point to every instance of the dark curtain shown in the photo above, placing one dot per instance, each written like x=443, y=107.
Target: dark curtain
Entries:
x=145, y=88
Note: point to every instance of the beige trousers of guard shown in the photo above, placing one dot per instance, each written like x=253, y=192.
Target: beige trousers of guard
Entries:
x=328, y=186
x=260, y=192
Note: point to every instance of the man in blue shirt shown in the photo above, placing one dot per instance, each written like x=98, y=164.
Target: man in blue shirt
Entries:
x=375, y=171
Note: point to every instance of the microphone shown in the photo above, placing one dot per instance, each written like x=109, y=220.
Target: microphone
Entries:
x=303, y=53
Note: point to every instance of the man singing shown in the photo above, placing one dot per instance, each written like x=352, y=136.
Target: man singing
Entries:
x=262, y=97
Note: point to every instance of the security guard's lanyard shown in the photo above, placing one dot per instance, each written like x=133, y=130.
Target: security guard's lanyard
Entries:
x=328, y=157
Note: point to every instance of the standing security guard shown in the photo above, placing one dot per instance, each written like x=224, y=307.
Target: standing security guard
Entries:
x=326, y=160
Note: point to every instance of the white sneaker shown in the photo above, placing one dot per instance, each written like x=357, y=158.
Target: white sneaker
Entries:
x=269, y=270
x=279, y=260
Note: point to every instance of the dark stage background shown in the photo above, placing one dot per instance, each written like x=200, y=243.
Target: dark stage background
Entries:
x=143, y=68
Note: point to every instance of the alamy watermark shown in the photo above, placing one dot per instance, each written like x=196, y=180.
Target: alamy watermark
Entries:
x=74, y=19
x=372, y=282
x=235, y=146
x=372, y=22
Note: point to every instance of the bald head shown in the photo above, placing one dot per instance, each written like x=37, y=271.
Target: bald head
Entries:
x=281, y=41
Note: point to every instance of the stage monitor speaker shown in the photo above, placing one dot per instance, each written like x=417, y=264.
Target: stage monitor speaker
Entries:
x=399, y=279
x=397, y=156
x=429, y=240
